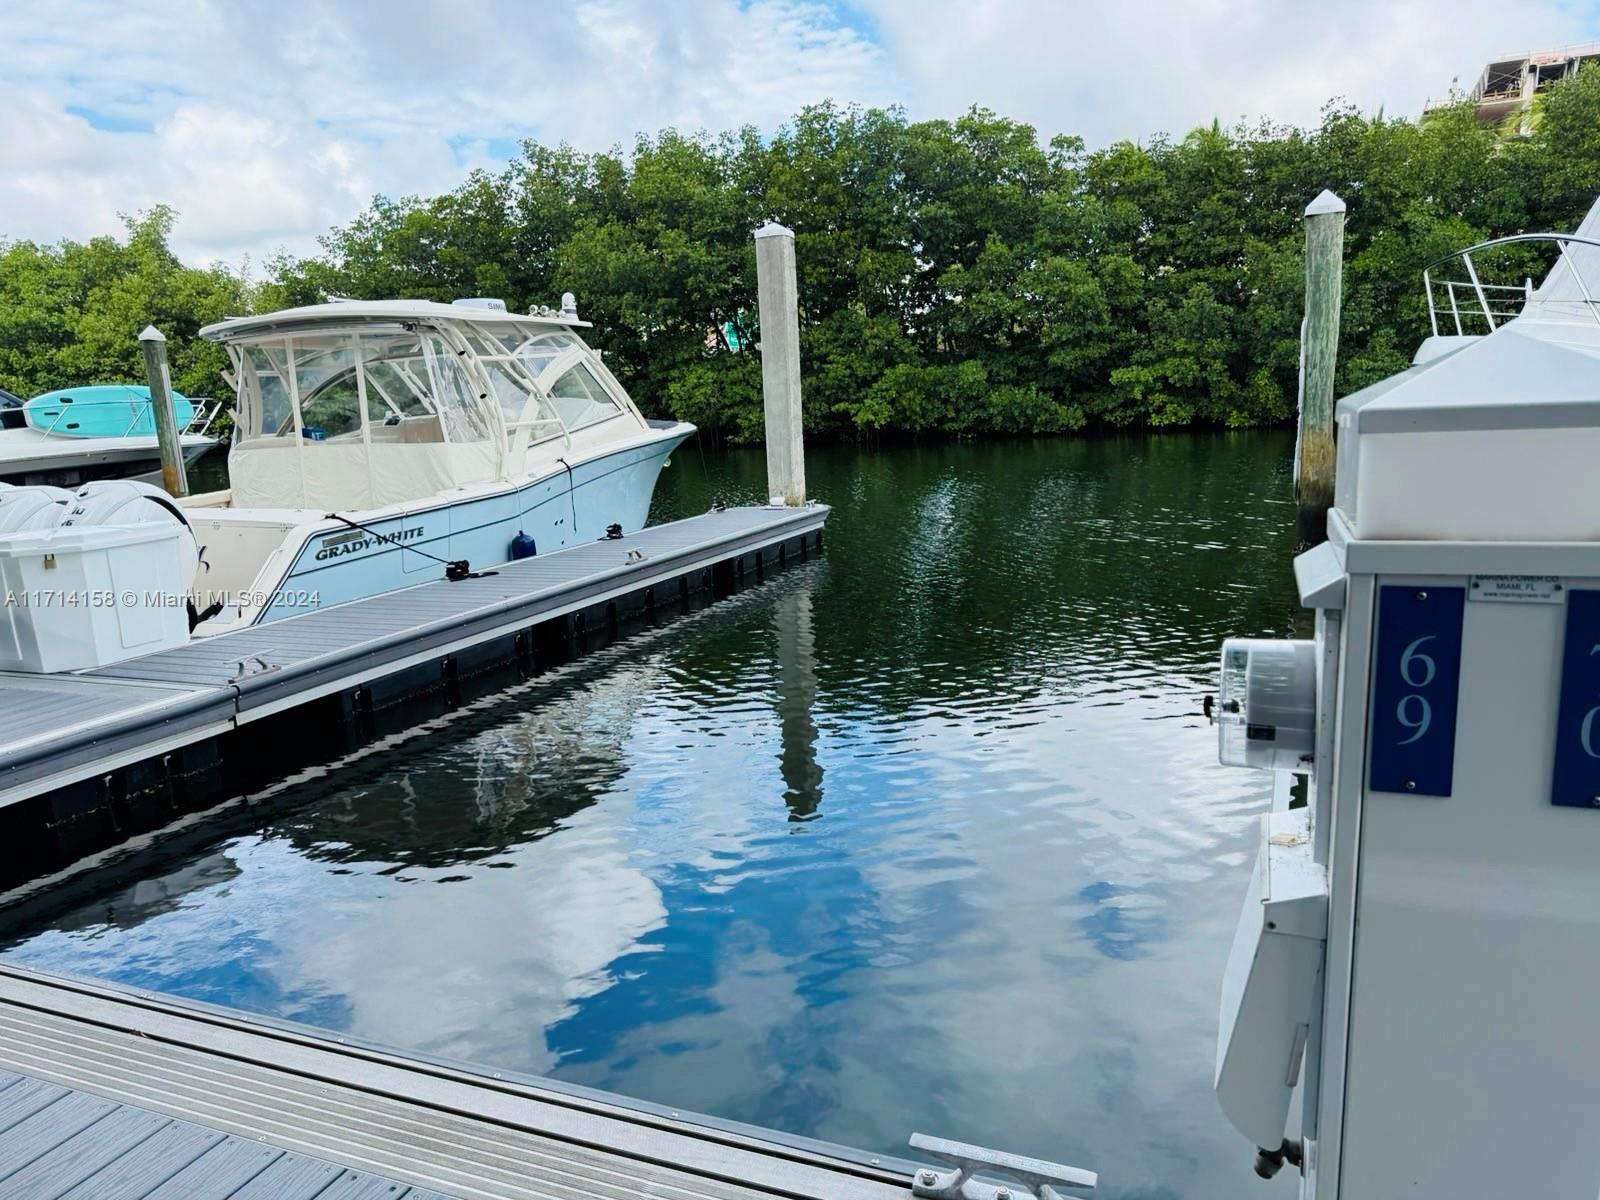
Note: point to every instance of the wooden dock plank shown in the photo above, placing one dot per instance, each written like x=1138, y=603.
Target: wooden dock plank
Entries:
x=357, y=1185
x=19, y=1103
x=219, y=1173
x=138, y=1171
x=83, y=1154
x=38, y=1134
x=292, y=1177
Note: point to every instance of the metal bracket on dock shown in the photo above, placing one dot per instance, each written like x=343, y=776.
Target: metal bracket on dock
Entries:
x=1039, y=1177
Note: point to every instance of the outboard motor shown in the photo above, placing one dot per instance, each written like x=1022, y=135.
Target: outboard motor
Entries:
x=129, y=502
x=94, y=577
x=36, y=506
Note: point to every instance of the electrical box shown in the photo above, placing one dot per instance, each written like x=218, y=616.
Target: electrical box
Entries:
x=1271, y=983
x=1267, y=704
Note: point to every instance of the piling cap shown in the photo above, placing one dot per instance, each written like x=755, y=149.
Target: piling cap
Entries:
x=1325, y=204
x=151, y=334
x=773, y=229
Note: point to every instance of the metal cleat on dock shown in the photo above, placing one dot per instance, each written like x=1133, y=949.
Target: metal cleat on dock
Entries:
x=1039, y=1178
x=254, y=664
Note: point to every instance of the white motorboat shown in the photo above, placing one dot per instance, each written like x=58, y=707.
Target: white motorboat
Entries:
x=379, y=445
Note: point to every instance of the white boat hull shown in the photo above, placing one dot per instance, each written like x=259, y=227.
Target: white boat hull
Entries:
x=336, y=562
x=30, y=457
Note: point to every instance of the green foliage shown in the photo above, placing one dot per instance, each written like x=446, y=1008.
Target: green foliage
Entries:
x=71, y=313
x=957, y=277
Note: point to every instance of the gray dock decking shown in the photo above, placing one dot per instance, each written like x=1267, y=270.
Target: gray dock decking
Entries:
x=61, y=1144
x=111, y=1094
x=61, y=729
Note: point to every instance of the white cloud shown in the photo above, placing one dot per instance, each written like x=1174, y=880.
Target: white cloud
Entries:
x=266, y=123
x=1110, y=71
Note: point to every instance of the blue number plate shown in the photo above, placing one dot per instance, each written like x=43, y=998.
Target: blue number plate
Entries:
x=1417, y=678
x=1575, y=781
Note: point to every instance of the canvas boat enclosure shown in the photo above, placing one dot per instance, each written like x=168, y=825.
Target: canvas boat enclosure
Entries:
x=355, y=406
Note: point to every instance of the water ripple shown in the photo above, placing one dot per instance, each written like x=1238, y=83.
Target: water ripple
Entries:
x=927, y=834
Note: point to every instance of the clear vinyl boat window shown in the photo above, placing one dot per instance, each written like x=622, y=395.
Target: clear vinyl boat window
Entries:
x=417, y=389
x=454, y=397
x=265, y=370
x=512, y=391
x=514, y=359
x=330, y=396
x=542, y=349
x=398, y=390
x=580, y=399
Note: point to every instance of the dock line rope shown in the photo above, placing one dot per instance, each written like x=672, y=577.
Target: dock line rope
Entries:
x=570, y=498
x=455, y=569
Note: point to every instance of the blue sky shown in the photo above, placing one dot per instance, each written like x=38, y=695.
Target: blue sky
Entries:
x=265, y=123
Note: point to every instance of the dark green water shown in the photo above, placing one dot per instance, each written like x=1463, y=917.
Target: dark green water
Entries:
x=925, y=835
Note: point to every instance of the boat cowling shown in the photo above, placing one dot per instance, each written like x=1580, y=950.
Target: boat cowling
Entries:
x=128, y=502
x=35, y=506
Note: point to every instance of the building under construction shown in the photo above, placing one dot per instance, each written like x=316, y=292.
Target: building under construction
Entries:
x=1507, y=92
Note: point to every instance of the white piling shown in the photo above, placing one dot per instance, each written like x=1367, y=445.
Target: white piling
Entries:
x=779, y=312
x=154, y=347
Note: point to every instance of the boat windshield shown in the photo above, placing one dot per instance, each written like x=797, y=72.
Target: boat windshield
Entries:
x=408, y=385
x=539, y=378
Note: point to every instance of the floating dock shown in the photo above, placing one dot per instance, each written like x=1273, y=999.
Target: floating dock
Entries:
x=111, y=1094
x=93, y=758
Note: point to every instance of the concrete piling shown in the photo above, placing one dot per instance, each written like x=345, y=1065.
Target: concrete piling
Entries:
x=779, y=311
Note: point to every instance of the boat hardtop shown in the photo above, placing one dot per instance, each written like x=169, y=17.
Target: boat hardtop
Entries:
x=390, y=310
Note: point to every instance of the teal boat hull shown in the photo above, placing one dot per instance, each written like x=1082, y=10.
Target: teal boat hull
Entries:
x=110, y=410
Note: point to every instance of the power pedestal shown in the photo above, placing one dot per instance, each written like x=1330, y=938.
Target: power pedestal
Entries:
x=1418, y=962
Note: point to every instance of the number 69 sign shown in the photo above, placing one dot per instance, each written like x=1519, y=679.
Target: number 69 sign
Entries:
x=1575, y=780
x=1416, y=683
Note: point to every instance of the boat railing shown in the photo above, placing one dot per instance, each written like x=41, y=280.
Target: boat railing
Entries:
x=200, y=418
x=1464, y=303
x=552, y=427
x=203, y=416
